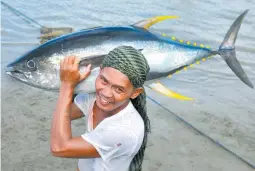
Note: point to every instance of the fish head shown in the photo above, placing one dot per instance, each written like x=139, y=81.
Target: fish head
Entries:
x=37, y=72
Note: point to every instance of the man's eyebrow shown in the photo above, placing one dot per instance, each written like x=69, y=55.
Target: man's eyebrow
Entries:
x=101, y=75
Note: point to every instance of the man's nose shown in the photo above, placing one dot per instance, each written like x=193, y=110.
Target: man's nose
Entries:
x=107, y=91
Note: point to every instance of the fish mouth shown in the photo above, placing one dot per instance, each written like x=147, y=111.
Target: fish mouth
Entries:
x=19, y=75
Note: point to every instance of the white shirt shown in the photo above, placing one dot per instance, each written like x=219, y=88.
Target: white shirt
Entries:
x=117, y=138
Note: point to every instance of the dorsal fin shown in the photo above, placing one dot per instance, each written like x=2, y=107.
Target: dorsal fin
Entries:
x=145, y=24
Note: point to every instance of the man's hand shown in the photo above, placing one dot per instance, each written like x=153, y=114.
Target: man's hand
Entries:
x=69, y=71
x=63, y=144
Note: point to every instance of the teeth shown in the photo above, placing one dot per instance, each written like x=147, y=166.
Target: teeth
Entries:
x=104, y=101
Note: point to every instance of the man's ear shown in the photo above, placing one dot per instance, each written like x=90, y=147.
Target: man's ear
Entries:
x=137, y=92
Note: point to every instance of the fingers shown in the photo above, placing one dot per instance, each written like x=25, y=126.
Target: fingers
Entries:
x=71, y=59
x=69, y=62
x=76, y=63
x=66, y=63
x=86, y=73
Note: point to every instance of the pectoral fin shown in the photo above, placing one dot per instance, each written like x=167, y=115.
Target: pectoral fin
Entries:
x=145, y=24
x=158, y=87
x=94, y=59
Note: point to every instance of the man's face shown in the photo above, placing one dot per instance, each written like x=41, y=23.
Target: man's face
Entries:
x=113, y=90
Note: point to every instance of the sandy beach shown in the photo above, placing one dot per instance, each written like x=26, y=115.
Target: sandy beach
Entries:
x=26, y=117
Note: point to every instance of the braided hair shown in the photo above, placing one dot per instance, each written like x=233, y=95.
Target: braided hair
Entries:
x=133, y=64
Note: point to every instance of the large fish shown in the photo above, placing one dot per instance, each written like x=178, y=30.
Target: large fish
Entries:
x=40, y=66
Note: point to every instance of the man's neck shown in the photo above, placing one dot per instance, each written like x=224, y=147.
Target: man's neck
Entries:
x=105, y=114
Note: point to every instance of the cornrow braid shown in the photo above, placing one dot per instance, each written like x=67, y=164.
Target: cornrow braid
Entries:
x=132, y=63
x=140, y=105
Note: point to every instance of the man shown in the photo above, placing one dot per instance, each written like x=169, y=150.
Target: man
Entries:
x=116, y=114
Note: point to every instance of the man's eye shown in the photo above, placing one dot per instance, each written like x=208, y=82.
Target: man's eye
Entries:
x=119, y=90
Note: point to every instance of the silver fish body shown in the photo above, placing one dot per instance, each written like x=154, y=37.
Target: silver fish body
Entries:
x=40, y=67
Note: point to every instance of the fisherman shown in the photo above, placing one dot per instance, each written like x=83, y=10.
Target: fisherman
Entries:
x=116, y=116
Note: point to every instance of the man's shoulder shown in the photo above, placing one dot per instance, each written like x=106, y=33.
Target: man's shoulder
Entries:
x=131, y=120
x=84, y=101
x=85, y=96
x=133, y=114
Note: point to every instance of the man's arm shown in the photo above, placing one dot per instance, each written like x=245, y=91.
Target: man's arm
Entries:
x=62, y=143
x=76, y=113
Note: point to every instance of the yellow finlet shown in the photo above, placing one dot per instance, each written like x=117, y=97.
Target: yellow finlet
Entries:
x=158, y=87
x=164, y=34
x=207, y=47
x=203, y=59
x=197, y=62
x=201, y=45
x=173, y=38
x=150, y=21
x=181, y=41
x=188, y=42
x=185, y=68
x=195, y=44
x=169, y=76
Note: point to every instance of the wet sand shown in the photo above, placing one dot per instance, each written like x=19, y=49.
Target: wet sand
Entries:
x=26, y=117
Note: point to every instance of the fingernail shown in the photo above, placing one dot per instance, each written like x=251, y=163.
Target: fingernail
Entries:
x=88, y=67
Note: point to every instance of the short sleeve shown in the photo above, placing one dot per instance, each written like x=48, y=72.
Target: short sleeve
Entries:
x=111, y=142
x=83, y=101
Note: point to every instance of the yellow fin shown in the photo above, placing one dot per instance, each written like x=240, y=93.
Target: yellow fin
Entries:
x=149, y=22
x=158, y=87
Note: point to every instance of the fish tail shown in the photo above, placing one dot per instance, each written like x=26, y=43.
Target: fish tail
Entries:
x=228, y=53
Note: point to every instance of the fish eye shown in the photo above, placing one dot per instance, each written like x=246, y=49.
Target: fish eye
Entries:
x=31, y=65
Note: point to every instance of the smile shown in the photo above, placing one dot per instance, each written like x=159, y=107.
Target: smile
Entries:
x=103, y=100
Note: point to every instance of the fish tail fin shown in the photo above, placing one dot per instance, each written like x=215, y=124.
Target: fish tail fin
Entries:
x=228, y=53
